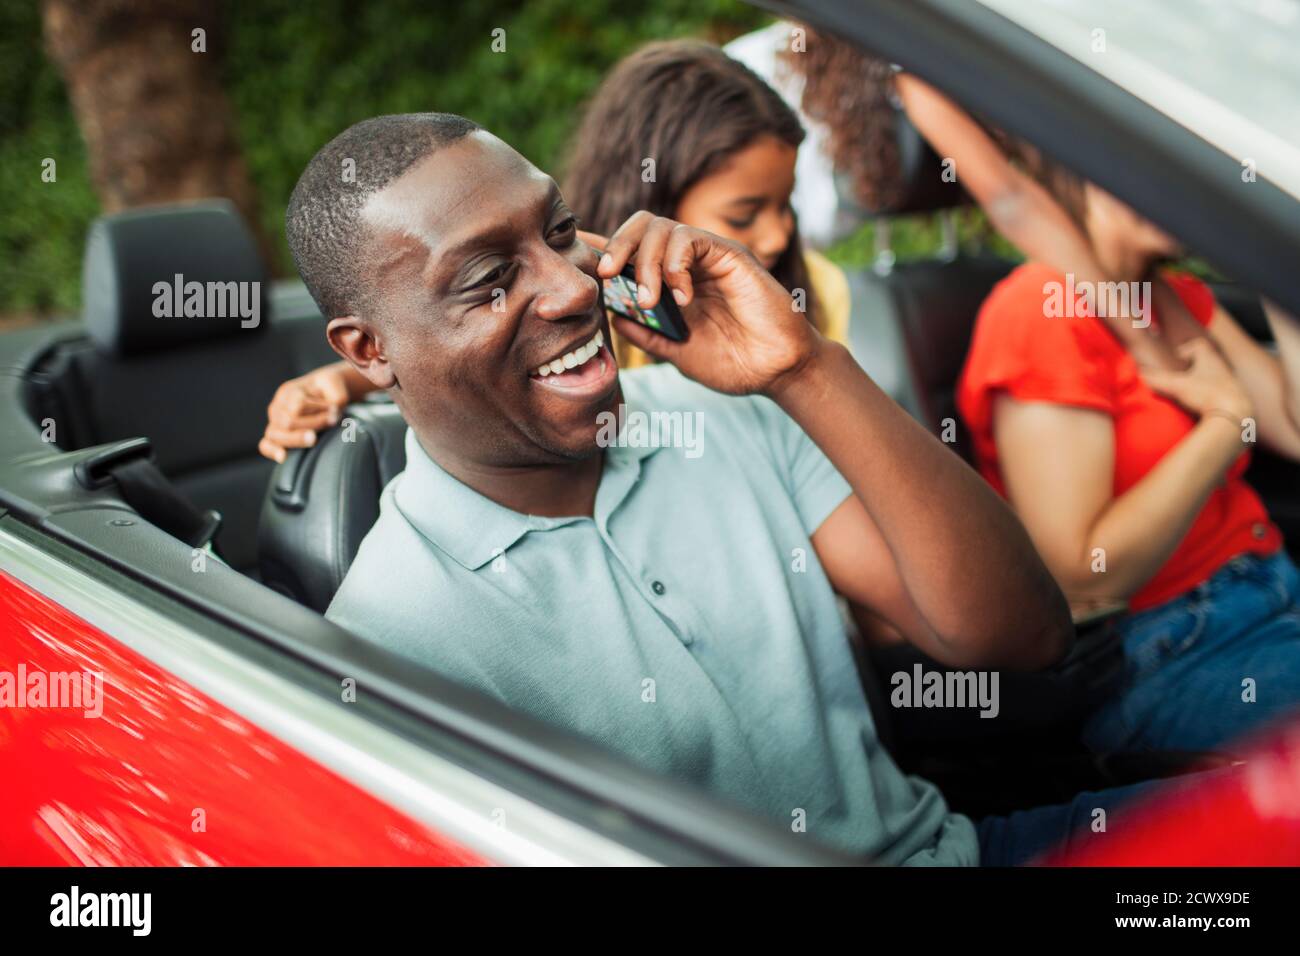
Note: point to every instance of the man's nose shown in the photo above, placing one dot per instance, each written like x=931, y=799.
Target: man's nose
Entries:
x=566, y=292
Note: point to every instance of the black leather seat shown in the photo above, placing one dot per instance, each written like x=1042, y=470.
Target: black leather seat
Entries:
x=934, y=303
x=325, y=498
x=196, y=387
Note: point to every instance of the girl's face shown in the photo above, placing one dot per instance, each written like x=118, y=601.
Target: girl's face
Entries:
x=747, y=199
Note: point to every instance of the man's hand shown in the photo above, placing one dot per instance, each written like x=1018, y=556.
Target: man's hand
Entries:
x=746, y=335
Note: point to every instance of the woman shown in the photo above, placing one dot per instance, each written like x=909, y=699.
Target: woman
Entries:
x=1129, y=477
x=1122, y=452
x=684, y=131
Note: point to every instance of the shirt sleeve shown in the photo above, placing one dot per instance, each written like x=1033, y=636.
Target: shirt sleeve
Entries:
x=1196, y=295
x=830, y=288
x=816, y=486
x=1023, y=349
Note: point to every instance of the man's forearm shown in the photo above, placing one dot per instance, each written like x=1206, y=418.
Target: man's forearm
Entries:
x=965, y=559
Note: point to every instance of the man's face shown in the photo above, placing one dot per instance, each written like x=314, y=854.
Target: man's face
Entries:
x=479, y=281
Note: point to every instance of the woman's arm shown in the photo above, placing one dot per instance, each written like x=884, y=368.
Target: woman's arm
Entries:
x=1286, y=333
x=1058, y=464
x=1019, y=208
x=1270, y=380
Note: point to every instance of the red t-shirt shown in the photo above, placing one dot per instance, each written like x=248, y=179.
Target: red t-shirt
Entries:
x=1019, y=350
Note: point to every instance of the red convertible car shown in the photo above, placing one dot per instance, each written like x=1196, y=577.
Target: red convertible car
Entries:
x=163, y=705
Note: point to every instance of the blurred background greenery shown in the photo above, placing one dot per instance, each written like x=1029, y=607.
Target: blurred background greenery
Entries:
x=298, y=73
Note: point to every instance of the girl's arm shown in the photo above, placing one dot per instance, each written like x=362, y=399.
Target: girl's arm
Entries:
x=303, y=406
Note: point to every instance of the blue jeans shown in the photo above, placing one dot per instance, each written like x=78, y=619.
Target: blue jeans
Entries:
x=1025, y=835
x=1018, y=838
x=1194, y=661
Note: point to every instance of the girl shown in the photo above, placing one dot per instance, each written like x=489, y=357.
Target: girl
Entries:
x=684, y=131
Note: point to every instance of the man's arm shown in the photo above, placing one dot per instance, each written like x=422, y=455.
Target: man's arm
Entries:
x=925, y=541
x=928, y=531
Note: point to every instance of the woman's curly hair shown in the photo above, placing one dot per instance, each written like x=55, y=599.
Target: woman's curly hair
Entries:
x=850, y=93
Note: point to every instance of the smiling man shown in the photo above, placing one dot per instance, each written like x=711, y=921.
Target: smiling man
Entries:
x=680, y=610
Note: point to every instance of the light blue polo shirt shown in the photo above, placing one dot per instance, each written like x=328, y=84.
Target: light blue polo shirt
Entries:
x=688, y=625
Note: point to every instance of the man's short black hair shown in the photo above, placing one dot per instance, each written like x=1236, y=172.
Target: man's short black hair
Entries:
x=322, y=221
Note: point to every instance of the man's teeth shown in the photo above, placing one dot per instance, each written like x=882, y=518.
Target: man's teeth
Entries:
x=571, y=360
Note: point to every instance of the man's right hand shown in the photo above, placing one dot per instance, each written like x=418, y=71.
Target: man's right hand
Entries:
x=746, y=335
x=301, y=407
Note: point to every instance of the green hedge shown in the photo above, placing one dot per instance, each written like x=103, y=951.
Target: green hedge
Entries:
x=298, y=73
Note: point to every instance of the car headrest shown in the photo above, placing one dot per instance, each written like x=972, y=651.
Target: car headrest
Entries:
x=165, y=276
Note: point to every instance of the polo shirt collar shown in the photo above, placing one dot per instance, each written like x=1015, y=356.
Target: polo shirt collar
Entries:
x=471, y=528
x=474, y=529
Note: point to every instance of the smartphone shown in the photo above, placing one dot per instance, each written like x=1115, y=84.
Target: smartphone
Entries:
x=665, y=318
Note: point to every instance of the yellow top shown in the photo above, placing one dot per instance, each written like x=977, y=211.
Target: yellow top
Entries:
x=830, y=291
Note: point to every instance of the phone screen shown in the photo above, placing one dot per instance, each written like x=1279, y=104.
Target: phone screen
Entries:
x=664, y=318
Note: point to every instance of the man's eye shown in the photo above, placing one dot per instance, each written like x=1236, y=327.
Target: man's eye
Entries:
x=565, y=231
x=495, y=275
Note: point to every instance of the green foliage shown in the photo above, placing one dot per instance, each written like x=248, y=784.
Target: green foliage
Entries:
x=917, y=237
x=42, y=224
x=298, y=73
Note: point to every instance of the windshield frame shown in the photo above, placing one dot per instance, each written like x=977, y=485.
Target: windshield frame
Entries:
x=1104, y=39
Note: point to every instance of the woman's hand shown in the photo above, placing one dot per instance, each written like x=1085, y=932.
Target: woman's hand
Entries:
x=1207, y=387
x=746, y=335
x=301, y=407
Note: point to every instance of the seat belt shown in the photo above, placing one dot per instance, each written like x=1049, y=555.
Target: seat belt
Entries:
x=146, y=489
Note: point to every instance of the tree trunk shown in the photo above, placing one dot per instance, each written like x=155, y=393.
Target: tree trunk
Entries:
x=157, y=124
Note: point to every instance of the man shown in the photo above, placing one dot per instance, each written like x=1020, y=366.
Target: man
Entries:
x=677, y=608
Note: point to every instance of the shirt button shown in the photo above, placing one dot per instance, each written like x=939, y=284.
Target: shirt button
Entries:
x=658, y=588
x=1258, y=530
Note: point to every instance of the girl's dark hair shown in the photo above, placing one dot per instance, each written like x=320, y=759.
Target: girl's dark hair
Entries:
x=850, y=92
x=687, y=106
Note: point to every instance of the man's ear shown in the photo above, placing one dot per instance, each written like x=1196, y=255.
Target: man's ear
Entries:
x=355, y=340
